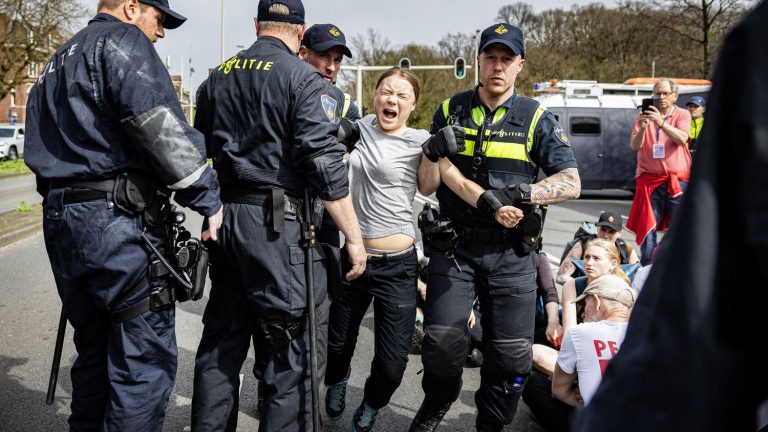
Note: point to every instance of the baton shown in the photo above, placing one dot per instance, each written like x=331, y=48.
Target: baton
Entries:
x=56, y=359
x=309, y=243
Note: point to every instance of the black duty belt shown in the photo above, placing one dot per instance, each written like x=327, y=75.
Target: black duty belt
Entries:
x=289, y=209
x=82, y=195
x=79, y=191
x=489, y=236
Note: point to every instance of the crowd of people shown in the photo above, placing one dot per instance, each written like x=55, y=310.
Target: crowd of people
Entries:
x=291, y=152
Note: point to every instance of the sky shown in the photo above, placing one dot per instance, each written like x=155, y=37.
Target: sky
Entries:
x=400, y=21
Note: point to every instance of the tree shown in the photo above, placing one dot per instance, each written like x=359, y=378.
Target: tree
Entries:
x=701, y=22
x=520, y=15
x=30, y=32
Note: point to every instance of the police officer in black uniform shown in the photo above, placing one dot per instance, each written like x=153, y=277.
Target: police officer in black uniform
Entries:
x=103, y=119
x=324, y=47
x=270, y=121
x=509, y=140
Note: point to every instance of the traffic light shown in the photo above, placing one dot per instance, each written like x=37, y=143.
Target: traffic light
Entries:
x=405, y=63
x=459, y=68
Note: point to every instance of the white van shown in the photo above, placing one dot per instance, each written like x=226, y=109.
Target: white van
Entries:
x=599, y=119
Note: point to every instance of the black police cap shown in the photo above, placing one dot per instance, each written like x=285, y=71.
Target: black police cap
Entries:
x=295, y=11
x=322, y=37
x=505, y=34
x=172, y=19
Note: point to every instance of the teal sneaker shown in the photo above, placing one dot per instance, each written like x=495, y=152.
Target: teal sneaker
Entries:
x=364, y=419
x=335, y=400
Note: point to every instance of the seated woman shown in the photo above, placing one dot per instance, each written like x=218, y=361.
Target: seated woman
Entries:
x=385, y=166
x=601, y=257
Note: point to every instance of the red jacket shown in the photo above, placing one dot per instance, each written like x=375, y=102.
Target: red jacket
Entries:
x=641, y=219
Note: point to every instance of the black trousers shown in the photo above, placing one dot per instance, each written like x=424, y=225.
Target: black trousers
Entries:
x=391, y=284
x=505, y=283
x=256, y=274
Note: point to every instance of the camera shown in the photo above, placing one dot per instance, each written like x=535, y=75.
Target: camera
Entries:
x=649, y=102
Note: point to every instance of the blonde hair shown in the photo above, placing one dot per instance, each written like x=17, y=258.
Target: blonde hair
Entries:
x=277, y=26
x=612, y=252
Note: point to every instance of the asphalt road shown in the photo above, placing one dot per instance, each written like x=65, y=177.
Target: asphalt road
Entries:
x=17, y=189
x=29, y=311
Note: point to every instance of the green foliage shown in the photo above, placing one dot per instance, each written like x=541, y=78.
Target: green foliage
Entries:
x=674, y=38
x=23, y=207
x=13, y=167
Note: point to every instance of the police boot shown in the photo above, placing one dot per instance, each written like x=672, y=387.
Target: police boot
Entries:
x=336, y=400
x=429, y=416
x=475, y=358
x=364, y=418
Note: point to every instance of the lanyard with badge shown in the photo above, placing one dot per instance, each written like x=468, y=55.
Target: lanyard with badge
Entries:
x=658, y=148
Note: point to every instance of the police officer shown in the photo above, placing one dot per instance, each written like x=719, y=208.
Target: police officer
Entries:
x=270, y=120
x=509, y=139
x=324, y=47
x=103, y=120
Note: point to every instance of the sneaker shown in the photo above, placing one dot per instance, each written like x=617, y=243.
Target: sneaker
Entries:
x=429, y=417
x=364, y=418
x=417, y=339
x=335, y=400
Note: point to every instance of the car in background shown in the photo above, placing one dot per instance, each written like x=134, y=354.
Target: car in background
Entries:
x=599, y=117
x=11, y=141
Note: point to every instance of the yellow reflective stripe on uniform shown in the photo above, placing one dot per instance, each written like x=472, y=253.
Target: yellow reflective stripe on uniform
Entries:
x=445, y=105
x=532, y=129
x=500, y=113
x=347, y=102
x=478, y=115
x=498, y=150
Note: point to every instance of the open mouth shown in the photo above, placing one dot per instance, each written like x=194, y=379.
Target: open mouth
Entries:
x=389, y=114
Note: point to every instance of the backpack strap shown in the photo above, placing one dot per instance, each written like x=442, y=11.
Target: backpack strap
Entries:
x=621, y=245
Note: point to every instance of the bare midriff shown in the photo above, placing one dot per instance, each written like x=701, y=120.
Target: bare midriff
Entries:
x=394, y=242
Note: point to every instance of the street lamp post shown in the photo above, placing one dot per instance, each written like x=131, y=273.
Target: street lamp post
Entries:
x=222, y=31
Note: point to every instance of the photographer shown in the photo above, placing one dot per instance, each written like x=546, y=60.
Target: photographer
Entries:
x=660, y=138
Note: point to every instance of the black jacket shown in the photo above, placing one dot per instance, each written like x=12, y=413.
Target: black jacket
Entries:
x=104, y=105
x=270, y=121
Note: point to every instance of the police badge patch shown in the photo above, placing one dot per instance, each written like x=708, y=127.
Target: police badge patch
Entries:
x=329, y=106
x=559, y=133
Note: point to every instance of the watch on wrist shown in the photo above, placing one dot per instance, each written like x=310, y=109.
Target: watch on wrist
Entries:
x=525, y=191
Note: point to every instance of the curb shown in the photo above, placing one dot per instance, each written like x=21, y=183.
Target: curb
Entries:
x=20, y=233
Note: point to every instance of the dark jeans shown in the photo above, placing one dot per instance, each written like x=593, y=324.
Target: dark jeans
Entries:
x=391, y=285
x=256, y=274
x=123, y=375
x=551, y=414
x=662, y=204
x=506, y=286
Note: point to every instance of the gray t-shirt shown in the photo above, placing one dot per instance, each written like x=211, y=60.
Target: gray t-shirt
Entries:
x=383, y=178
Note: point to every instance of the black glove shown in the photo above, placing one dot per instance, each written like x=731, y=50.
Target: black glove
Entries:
x=446, y=142
x=494, y=199
x=349, y=133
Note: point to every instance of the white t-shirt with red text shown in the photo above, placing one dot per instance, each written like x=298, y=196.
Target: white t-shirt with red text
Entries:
x=587, y=349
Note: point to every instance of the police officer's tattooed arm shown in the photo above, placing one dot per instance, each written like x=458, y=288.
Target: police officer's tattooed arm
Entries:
x=470, y=192
x=562, y=186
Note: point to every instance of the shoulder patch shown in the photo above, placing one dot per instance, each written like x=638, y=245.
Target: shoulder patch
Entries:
x=329, y=106
x=559, y=133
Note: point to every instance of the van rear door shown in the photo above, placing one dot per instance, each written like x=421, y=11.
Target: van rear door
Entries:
x=584, y=127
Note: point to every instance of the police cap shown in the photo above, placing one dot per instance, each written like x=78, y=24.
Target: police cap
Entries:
x=295, y=11
x=505, y=34
x=172, y=19
x=322, y=37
